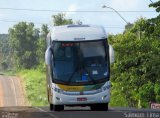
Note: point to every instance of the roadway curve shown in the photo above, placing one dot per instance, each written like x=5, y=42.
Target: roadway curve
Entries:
x=11, y=91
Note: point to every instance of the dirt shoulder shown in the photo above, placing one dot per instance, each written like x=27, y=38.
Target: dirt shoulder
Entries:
x=12, y=92
x=1, y=95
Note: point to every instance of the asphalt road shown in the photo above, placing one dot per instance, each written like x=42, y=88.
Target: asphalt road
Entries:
x=76, y=112
x=12, y=105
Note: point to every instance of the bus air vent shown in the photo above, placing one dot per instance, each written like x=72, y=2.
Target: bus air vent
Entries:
x=70, y=26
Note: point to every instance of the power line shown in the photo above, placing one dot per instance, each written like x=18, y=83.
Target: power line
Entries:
x=13, y=21
x=110, y=27
x=45, y=10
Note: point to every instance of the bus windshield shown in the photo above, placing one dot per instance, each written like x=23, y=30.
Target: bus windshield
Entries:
x=80, y=62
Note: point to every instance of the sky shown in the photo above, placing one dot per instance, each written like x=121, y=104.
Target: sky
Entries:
x=108, y=18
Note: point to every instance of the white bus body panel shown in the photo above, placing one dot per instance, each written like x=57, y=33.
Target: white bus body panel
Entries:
x=65, y=33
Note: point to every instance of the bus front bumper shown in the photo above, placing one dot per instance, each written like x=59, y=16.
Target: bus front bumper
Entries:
x=62, y=99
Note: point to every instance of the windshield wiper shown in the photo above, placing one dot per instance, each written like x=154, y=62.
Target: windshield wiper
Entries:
x=76, y=69
x=71, y=77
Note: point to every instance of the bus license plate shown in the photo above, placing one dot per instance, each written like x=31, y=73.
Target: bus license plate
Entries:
x=81, y=99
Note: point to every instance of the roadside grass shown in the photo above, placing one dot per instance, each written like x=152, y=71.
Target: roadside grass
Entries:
x=35, y=86
x=8, y=72
x=117, y=98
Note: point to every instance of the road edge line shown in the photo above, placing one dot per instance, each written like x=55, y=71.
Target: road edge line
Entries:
x=46, y=112
x=40, y=109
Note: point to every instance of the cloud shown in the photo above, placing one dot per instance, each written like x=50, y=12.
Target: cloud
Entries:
x=72, y=7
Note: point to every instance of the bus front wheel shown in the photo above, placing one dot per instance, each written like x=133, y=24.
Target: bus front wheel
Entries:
x=56, y=107
x=51, y=107
x=99, y=107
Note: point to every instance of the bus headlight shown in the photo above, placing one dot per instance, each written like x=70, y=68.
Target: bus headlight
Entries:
x=58, y=90
x=104, y=88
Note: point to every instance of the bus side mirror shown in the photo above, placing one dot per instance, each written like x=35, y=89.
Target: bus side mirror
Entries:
x=111, y=54
x=47, y=56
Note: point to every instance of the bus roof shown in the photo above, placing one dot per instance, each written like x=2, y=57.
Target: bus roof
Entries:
x=77, y=33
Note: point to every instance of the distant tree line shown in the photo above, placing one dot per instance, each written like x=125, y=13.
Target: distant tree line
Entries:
x=4, y=51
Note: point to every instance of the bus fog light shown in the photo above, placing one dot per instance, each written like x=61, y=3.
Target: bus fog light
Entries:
x=104, y=97
x=58, y=90
x=57, y=98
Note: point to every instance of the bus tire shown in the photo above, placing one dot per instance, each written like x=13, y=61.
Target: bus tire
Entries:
x=58, y=107
x=99, y=107
x=51, y=107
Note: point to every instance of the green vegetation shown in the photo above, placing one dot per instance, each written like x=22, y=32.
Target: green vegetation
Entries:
x=4, y=52
x=35, y=86
x=61, y=20
x=135, y=74
x=136, y=70
x=9, y=72
x=23, y=39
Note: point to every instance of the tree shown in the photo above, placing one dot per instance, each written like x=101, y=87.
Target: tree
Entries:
x=23, y=42
x=61, y=20
x=156, y=5
x=41, y=45
x=4, y=65
x=155, y=22
x=44, y=31
x=5, y=50
x=136, y=70
x=128, y=27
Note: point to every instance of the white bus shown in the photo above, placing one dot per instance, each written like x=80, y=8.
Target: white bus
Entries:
x=78, y=61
